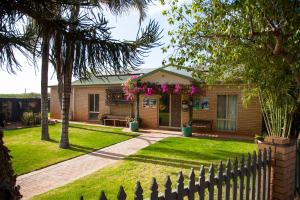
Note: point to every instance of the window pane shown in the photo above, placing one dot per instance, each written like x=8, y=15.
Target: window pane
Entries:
x=93, y=116
x=221, y=110
x=91, y=102
x=96, y=103
x=232, y=107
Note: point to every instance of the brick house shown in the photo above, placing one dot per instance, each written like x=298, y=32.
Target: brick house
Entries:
x=220, y=105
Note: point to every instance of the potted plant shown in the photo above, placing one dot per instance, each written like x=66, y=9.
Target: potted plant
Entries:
x=186, y=130
x=259, y=139
x=134, y=125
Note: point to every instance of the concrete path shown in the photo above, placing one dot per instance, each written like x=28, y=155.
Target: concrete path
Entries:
x=57, y=175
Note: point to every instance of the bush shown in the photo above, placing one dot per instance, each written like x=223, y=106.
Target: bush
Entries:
x=30, y=118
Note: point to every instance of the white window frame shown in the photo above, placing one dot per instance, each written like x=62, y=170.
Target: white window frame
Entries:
x=226, y=114
x=94, y=106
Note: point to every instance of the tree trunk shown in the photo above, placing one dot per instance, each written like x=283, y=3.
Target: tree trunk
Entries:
x=44, y=86
x=66, y=94
x=137, y=109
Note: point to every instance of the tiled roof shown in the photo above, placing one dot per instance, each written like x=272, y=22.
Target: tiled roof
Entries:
x=119, y=79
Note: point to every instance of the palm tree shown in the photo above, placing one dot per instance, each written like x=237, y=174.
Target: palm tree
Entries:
x=89, y=50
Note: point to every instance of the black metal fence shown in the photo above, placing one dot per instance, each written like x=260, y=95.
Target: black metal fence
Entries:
x=247, y=179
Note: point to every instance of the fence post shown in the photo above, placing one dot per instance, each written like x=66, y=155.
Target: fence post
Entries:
x=220, y=180
x=154, y=190
x=202, y=183
x=138, y=193
x=191, y=194
x=283, y=167
x=211, y=176
x=122, y=194
x=168, y=189
x=180, y=186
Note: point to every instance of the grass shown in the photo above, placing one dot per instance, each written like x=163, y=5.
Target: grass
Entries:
x=30, y=153
x=166, y=157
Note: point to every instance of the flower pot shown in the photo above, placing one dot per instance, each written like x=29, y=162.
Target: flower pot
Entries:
x=186, y=131
x=134, y=126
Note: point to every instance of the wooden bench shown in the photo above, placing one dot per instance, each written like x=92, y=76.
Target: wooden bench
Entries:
x=116, y=120
x=201, y=123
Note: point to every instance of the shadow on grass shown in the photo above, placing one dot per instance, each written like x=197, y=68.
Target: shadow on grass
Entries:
x=105, y=131
x=187, y=159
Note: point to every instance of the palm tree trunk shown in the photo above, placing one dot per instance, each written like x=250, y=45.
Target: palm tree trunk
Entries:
x=64, y=136
x=44, y=86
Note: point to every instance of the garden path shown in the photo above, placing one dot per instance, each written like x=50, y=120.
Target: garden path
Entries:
x=43, y=180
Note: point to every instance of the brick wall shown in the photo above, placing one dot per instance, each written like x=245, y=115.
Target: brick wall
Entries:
x=249, y=117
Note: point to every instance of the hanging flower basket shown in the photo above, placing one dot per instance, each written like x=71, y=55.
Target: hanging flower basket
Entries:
x=132, y=87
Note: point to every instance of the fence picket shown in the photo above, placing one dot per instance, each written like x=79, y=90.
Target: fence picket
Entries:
x=102, y=196
x=220, y=180
x=255, y=172
x=81, y=198
x=168, y=188
x=191, y=195
x=180, y=186
x=258, y=193
x=121, y=194
x=227, y=179
x=202, y=183
x=248, y=175
x=242, y=172
x=211, y=175
x=154, y=190
x=234, y=178
x=138, y=193
x=264, y=166
x=253, y=184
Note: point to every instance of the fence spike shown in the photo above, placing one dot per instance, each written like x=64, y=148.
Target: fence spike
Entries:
x=102, y=196
x=242, y=172
x=259, y=164
x=121, y=194
x=227, y=180
x=220, y=180
x=154, y=190
x=202, y=183
x=81, y=197
x=253, y=183
x=211, y=181
x=234, y=178
x=138, y=193
x=192, y=189
x=248, y=173
x=180, y=186
x=168, y=188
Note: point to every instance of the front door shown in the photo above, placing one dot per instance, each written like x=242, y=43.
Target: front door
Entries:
x=164, y=110
x=175, y=110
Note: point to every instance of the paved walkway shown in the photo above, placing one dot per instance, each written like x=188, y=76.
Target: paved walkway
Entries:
x=57, y=175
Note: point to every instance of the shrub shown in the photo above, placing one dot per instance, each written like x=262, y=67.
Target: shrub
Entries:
x=30, y=118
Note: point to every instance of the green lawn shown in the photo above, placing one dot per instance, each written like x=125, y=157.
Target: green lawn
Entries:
x=30, y=153
x=166, y=157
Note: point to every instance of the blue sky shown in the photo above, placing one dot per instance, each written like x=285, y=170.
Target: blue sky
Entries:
x=125, y=27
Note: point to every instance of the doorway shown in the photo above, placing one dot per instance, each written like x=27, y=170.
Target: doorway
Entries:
x=164, y=110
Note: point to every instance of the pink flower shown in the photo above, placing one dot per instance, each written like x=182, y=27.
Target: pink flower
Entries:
x=164, y=88
x=177, y=89
x=193, y=90
x=133, y=77
x=149, y=91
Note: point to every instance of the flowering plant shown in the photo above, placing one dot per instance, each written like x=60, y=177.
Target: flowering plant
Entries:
x=133, y=87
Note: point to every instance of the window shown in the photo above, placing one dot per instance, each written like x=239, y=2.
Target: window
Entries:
x=200, y=104
x=149, y=103
x=93, y=106
x=226, y=112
